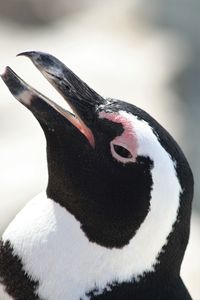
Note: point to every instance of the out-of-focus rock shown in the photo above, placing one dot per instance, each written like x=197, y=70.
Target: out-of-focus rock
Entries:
x=36, y=12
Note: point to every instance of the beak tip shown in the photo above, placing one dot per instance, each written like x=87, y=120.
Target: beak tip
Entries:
x=33, y=55
x=13, y=82
x=40, y=59
x=5, y=73
x=26, y=53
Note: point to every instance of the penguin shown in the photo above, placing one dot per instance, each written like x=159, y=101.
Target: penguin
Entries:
x=115, y=218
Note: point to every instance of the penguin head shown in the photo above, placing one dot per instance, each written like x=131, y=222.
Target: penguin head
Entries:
x=111, y=165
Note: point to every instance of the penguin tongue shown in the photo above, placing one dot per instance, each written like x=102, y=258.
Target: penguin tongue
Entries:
x=28, y=96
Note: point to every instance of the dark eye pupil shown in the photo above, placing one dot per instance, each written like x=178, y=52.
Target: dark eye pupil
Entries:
x=122, y=151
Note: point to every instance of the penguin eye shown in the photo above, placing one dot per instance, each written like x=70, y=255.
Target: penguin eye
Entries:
x=121, y=151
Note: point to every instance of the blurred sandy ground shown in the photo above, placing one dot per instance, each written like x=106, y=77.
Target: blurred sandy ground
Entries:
x=121, y=49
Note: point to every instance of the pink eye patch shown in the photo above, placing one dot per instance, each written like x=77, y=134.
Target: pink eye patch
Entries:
x=127, y=139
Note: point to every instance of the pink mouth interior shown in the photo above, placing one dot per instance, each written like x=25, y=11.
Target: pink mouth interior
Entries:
x=78, y=123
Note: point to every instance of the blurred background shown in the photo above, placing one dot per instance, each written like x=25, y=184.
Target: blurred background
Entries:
x=147, y=54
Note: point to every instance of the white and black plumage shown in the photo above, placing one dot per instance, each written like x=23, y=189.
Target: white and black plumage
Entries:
x=114, y=221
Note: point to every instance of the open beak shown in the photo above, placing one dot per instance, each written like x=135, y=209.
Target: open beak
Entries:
x=82, y=99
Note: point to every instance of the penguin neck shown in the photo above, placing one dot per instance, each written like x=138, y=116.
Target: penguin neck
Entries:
x=89, y=270
x=113, y=269
x=163, y=255
x=165, y=251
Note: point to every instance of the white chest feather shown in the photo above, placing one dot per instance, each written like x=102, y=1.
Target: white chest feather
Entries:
x=55, y=251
